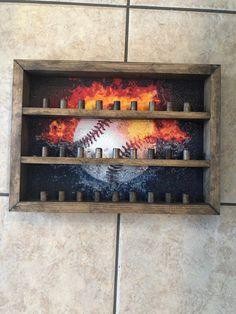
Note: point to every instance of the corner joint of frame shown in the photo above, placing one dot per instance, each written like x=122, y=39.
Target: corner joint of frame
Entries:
x=18, y=62
x=216, y=210
x=215, y=67
x=13, y=208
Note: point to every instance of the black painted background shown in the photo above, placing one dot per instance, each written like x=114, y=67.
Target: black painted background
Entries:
x=156, y=179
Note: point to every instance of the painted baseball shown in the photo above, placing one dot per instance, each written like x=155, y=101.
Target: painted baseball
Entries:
x=108, y=134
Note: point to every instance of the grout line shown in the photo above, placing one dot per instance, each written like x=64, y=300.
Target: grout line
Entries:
x=104, y=5
x=184, y=9
x=127, y=32
x=4, y=194
x=138, y=7
x=116, y=264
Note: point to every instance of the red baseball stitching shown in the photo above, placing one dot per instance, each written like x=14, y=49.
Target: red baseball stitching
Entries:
x=136, y=143
x=95, y=133
x=113, y=170
x=97, y=130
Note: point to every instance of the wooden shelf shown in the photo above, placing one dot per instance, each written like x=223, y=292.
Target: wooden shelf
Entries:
x=112, y=161
x=116, y=114
x=120, y=207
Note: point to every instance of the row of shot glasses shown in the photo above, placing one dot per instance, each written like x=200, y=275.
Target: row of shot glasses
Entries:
x=116, y=153
x=116, y=105
x=80, y=197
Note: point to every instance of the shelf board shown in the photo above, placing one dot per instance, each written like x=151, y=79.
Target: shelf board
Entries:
x=116, y=114
x=112, y=161
x=110, y=207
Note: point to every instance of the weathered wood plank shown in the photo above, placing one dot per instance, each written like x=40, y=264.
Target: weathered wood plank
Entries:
x=115, y=114
x=107, y=68
x=109, y=207
x=17, y=103
x=112, y=161
x=215, y=139
x=206, y=140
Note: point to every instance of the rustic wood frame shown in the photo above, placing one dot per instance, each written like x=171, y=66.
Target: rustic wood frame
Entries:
x=20, y=108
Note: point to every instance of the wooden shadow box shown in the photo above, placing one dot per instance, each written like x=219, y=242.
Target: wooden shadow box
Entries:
x=175, y=129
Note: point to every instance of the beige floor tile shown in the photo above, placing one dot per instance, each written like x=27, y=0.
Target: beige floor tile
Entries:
x=184, y=37
x=178, y=264
x=169, y=36
x=3, y=209
x=56, y=263
x=228, y=131
x=205, y=4
x=52, y=32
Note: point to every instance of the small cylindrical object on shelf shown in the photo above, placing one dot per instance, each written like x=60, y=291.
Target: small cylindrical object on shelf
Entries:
x=62, y=151
x=81, y=104
x=150, y=197
x=185, y=198
x=79, y=196
x=151, y=153
x=152, y=105
x=169, y=106
x=61, y=196
x=168, y=153
x=97, y=196
x=132, y=197
x=187, y=107
x=99, y=105
x=133, y=153
x=168, y=197
x=63, y=103
x=98, y=152
x=89, y=153
x=44, y=151
x=43, y=196
x=45, y=103
x=186, y=154
x=115, y=196
x=116, y=153
x=116, y=105
x=134, y=105
x=80, y=152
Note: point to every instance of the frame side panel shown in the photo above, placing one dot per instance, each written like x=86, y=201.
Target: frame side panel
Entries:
x=215, y=139
x=17, y=102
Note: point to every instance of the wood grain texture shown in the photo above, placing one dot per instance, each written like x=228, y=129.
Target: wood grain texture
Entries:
x=207, y=139
x=109, y=207
x=214, y=183
x=109, y=68
x=112, y=161
x=17, y=103
x=115, y=114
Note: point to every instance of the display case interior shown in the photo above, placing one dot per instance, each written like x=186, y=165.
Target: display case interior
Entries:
x=113, y=137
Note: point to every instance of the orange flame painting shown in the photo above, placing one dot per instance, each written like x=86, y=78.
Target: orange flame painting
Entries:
x=109, y=93
x=63, y=129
